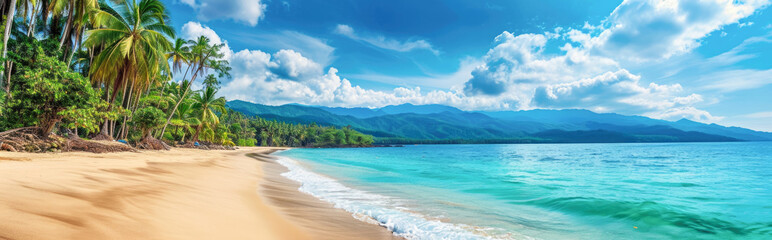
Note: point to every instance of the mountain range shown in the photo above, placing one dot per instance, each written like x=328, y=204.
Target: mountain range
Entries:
x=409, y=123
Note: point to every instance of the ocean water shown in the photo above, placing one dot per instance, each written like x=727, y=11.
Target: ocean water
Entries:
x=548, y=191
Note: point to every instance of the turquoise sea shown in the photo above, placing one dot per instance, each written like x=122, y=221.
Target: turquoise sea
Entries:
x=548, y=191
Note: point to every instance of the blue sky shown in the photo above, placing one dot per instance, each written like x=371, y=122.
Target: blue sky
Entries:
x=707, y=60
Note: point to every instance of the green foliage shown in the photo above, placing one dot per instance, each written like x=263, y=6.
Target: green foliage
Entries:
x=88, y=118
x=148, y=118
x=250, y=131
x=211, y=82
x=44, y=91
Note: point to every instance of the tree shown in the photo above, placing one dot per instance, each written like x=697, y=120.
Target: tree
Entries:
x=211, y=81
x=44, y=91
x=185, y=118
x=6, y=35
x=203, y=56
x=135, y=39
x=8, y=25
x=148, y=118
x=178, y=55
x=207, y=103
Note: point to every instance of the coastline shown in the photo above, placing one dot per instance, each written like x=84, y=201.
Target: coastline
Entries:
x=176, y=194
x=321, y=219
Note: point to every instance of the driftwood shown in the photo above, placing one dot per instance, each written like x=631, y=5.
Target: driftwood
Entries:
x=95, y=146
x=151, y=143
x=28, y=139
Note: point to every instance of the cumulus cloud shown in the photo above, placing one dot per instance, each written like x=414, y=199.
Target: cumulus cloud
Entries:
x=517, y=70
x=516, y=73
x=245, y=11
x=386, y=43
x=642, y=30
x=517, y=66
x=193, y=30
x=589, y=71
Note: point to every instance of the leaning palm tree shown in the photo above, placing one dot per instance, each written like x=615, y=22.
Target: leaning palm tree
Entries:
x=134, y=38
x=207, y=103
x=203, y=56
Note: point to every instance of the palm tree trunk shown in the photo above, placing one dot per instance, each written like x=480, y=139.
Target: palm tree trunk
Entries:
x=8, y=25
x=198, y=131
x=112, y=128
x=75, y=45
x=123, y=97
x=107, y=130
x=8, y=78
x=44, y=12
x=31, y=26
x=68, y=26
x=127, y=103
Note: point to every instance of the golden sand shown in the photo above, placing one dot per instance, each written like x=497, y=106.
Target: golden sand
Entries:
x=177, y=194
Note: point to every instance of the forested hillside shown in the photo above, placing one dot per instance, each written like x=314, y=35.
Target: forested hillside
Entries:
x=443, y=124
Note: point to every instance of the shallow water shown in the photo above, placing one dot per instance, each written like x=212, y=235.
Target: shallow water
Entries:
x=549, y=191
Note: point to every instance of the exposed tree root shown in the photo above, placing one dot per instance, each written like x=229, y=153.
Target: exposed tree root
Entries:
x=151, y=143
x=28, y=139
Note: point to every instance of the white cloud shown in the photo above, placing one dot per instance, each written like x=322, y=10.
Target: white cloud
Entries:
x=736, y=80
x=311, y=47
x=386, y=43
x=291, y=65
x=685, y=112
x=588, y=72
x=575, y=79
x=244, y=11
x=745, y=24
x=642, y=30
x=759, y=115
x=518, y=70
x=444, y=81
x=193, y=30
x=618, y=91
x=517, y=66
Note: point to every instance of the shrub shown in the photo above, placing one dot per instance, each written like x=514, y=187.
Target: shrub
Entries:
x=148, y=118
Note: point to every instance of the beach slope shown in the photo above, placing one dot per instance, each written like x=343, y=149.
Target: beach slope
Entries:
x=177, y=194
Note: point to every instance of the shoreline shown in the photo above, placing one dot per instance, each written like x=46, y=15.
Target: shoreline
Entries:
x=176, y=194
x=312, y=214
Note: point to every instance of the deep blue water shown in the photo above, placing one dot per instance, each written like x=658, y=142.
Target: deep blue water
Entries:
x=549, y=191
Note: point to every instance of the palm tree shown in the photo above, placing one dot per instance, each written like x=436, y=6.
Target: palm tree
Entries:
x=185, y=118
x=208, y=104
x=203, y=56
x=178, y=55
x=135, y=39
x=77, y=12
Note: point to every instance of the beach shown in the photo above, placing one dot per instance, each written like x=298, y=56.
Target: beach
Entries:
x=176, y=194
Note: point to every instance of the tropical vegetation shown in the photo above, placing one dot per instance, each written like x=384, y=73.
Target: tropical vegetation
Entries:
x=115, y=70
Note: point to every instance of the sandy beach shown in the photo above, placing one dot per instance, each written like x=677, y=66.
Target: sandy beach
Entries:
x=177, y=194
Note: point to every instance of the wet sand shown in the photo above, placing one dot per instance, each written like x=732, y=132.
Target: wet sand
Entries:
x=320, y=219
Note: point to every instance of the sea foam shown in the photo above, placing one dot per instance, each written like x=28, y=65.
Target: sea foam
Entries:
x=373, y=208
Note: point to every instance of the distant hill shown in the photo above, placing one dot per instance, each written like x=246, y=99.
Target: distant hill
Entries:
x=390, y=110
x=427, y=123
